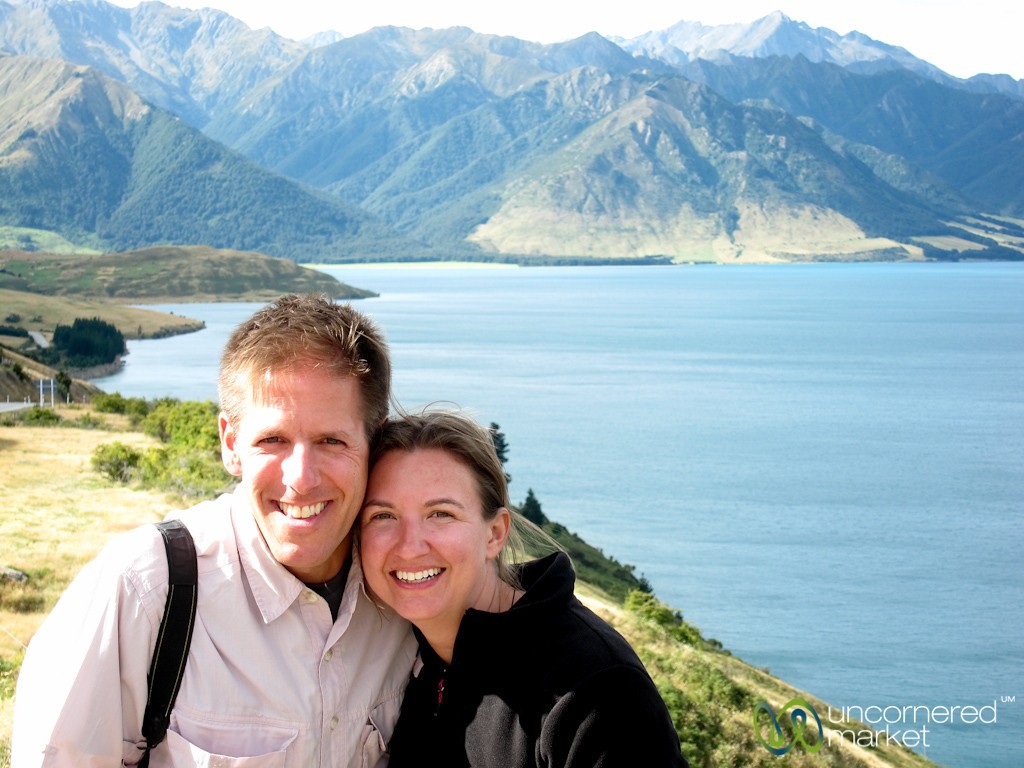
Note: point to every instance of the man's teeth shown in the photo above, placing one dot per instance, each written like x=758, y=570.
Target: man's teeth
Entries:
x=414, y=576
x=301, y=513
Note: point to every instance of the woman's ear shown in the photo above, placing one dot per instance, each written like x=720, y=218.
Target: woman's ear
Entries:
x=499, y=526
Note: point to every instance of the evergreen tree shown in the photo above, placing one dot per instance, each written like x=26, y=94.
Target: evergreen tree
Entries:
x=500, y=447
x=88, y=342
x=63, y=383
x=531, y=509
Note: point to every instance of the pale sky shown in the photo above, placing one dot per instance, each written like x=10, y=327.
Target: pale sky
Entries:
x=962, y=38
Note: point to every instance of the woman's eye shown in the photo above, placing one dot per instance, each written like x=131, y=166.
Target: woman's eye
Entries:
x=440, y=513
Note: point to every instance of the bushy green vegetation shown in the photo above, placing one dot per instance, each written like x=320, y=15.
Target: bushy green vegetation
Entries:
x=8, y=677
x=135, y=408
x=187, y=463
x=646, y=606
x=37, y=416
x=18, y=370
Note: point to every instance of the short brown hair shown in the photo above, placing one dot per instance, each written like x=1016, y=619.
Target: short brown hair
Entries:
x=306, y=330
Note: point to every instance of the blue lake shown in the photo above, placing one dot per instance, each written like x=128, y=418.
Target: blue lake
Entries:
x=822, y=466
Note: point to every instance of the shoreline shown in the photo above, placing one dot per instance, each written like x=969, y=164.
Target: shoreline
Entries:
x=411, y=265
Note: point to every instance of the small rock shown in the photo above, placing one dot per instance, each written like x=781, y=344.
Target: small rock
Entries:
x=10, y=574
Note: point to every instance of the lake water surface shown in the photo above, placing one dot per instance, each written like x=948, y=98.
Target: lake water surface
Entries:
x=822, y=466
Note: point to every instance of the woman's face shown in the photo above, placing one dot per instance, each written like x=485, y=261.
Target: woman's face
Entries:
x=426, y=548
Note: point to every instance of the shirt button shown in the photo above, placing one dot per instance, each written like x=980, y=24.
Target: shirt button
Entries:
x=334, y=723
x=311, y=597
x=329, y=655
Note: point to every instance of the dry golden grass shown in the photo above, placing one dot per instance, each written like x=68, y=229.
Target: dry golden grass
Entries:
x=52, y=311
x=59, y=514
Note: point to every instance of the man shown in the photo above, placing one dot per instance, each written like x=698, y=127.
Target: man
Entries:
x=291, y=664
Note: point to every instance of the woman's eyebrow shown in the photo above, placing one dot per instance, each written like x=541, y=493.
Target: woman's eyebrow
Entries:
x=443, y=500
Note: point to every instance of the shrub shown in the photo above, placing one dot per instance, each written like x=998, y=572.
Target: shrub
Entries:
x=109, y=403
x=40, y=417
x=648, y=607
x=116, y=461
x=88, y=421
x=184, y=470
x=190, y=423
x=136, y=408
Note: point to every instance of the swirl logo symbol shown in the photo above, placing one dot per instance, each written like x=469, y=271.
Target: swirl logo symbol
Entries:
x=798, y=712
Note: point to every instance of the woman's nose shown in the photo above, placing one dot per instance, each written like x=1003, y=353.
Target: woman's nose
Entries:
x=411, y=541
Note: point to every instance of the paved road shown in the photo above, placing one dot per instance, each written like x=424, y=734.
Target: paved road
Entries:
x=14, y=406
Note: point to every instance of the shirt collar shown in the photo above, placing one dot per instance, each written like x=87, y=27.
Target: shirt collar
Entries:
x=273, y=586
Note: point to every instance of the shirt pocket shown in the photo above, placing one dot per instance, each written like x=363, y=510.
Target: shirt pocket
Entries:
x=182, y=753
x=377, y=733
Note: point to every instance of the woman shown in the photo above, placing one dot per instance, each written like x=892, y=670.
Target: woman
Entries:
x=513, y=669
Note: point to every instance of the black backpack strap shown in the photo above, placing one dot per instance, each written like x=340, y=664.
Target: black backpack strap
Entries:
x=172, y=642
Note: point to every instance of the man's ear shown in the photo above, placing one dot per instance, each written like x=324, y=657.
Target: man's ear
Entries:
x=228, y=452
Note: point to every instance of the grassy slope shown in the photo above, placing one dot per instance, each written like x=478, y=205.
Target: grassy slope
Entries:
x=25, y=388
x=47, y=472
x=44, y=313
x=167, y=274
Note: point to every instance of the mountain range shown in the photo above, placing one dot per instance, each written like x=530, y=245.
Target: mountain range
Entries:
x=121, y=128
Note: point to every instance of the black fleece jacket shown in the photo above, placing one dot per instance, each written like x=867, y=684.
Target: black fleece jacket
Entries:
x=547, y=683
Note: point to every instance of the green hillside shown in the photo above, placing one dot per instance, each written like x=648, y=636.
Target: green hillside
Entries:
x=84, y=158
x=167, y=274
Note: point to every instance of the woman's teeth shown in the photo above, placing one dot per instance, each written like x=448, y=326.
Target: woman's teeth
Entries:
x=415, y=576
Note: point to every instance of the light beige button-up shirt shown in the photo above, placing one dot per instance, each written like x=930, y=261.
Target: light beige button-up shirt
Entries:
x=271, y=680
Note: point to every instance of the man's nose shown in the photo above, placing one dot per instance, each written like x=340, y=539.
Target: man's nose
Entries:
x=299, y=469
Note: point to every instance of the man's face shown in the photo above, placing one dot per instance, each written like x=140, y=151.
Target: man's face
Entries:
x=301, y=453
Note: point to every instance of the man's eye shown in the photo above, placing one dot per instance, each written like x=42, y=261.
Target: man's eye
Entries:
x=333, y=441
x=265, y=440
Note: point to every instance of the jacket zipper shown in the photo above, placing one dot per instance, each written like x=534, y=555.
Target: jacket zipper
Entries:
x=440, y=694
